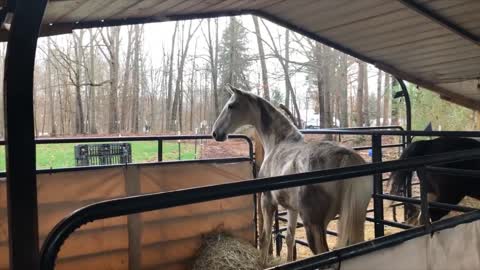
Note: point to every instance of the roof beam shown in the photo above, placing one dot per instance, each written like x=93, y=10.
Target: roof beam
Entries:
x=437, y=18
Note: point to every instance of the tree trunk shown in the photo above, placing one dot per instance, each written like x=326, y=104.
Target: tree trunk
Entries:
x=213, y=59
x=386, y=101
x=379, y=97
x=177, y=100
x=114, y=38
x=93, y=113
x=136, y=80
x=328, y=68
x=343, y=104
x=192, y=82
x=126, y=81
x=79, y=116
x=53, y=130
x=366, y=111
x=287, y=60
x=261, y=52
x=321, y=100
x=360, y=93
x=170, y=79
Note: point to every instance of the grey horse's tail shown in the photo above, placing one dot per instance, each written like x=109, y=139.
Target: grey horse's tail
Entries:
x=398, y=178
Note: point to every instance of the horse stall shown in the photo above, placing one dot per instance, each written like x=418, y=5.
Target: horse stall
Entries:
x=152, y=216
x=164, y=239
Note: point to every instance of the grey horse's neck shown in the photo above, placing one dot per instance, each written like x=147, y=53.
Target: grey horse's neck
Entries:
x=274, y=127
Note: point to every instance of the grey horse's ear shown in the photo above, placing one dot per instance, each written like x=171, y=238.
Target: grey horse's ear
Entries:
x=232, y=90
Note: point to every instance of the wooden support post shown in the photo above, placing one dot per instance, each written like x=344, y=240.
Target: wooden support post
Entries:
x=132, y=187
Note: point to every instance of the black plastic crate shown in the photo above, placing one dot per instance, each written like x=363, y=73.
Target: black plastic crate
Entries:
x=103, y=154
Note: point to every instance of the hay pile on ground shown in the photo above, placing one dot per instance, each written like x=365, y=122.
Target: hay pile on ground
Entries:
x=221, y=251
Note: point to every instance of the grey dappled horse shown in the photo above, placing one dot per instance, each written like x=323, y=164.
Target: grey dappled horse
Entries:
x=286, y=152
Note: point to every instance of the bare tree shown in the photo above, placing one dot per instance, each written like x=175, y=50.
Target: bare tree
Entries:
x=360, y=92
x=50, y=90
x=192, y=86
x=178, y=97
x=284, y=65
x=366, y=113
x=170, y=78
x=379, y=97
x=213, y=61
x=343, y=95
x=137, y=30
x=111, y=40
x=386, y=100
x=124, y=109
x=261, y=52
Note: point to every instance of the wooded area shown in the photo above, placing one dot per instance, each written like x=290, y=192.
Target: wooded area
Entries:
x=105, y=80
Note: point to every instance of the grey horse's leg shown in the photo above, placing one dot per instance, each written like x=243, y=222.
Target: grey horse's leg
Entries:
x=268, y=209
x=290, y=239
x=317, y=237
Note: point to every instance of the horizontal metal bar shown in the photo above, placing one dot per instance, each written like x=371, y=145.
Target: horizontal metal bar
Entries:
x=369, y=128
x=297, y=241
x=99, y=167
x=156, y=201
x=454, y=171
x=439, y=205
x=358, y=148
x=390, y=223
x=338, y=255
x=395, y=132
x=300, y=225
x=130, y=139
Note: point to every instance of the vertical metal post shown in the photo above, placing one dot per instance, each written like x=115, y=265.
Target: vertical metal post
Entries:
x=408, y=112
x=179, y=151
x=256, y=196
x=408, y=107
x=19, y=133
x=160, y=150
x=278, y=237
x=377, y=186
x=425, y=213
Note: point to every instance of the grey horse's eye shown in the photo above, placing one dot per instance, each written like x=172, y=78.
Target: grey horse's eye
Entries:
x=232, y=106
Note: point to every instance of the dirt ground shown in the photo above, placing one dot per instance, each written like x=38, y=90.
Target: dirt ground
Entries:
x=229, y=148
x=238, y=148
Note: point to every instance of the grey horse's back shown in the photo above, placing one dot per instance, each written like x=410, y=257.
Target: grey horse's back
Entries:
x=330, y=155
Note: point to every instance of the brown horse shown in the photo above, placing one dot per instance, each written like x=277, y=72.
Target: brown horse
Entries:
x=441, y=187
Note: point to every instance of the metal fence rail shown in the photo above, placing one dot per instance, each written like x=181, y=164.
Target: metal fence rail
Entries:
x=150, y=202
x=376, y=134
x=142, y=203
x=158, y=139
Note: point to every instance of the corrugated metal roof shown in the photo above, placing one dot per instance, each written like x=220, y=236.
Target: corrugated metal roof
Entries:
x=434, y=43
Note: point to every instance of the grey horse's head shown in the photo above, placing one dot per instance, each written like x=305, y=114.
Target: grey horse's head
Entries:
x=237, y=112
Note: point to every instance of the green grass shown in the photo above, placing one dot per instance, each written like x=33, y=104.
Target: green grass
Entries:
x=62, y=155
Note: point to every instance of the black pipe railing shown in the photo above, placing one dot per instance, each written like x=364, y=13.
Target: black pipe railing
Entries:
x=378, y=219
x=156, y=201
x=277, y=230
x=336, y=256
x=393, y=132
x=158, y=139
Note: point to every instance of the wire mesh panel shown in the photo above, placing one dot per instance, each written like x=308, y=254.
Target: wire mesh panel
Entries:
x=103, y=154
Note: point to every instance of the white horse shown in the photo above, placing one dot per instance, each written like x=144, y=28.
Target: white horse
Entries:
x=286, y=152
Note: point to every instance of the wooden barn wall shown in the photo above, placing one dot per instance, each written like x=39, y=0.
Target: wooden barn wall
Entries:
x=164, y=239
